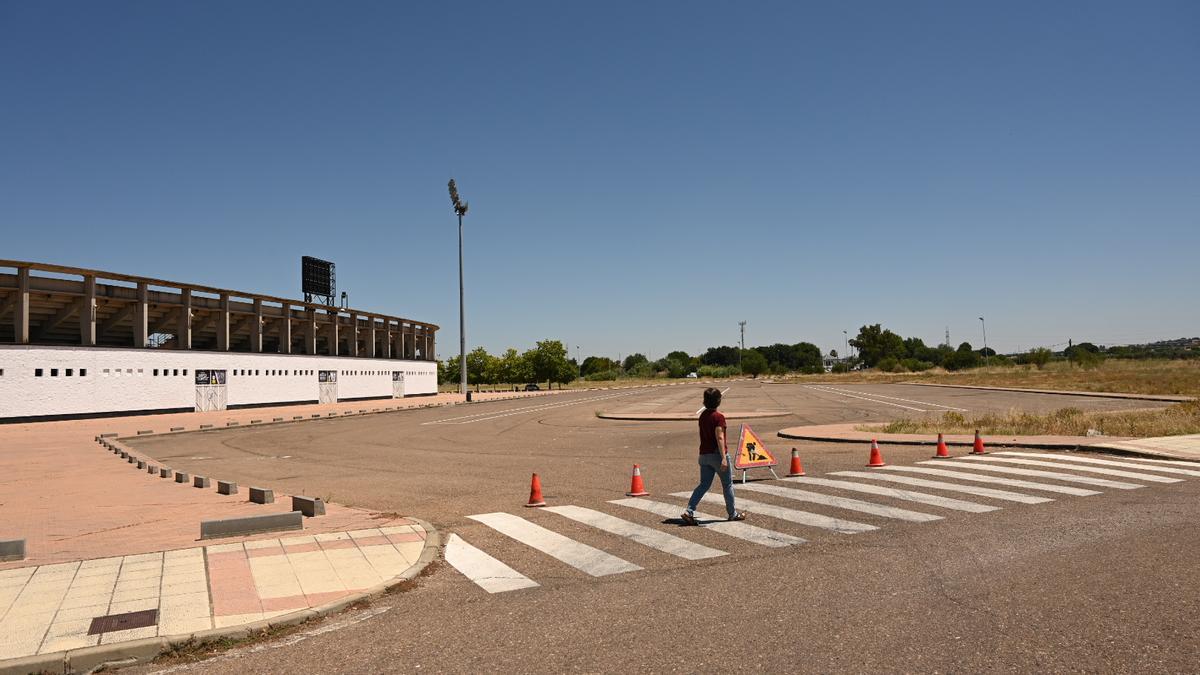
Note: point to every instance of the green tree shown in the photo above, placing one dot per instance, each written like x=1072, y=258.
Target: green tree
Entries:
x=720, y=356
x=548, y=362
x=633, y=361
x=875, y=343
x=479, y=366
x=598, y=364
x=753, y=362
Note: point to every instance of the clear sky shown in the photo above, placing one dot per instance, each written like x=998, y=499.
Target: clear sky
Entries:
x=641, y=176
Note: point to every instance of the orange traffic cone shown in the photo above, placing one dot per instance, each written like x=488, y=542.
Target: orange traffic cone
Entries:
x=876, y=456
x=535, y=492
x=978, y=449
x=796, y=470
x=942, y=450
x=636, y=487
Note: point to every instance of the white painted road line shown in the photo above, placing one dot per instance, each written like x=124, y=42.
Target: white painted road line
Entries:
x=897, y=398
x=701, y=408
x=488, y=573
x=1103, y=462
x=582, y=557
x=1075, y=467
x=996, y=480
x=741, y=530
x=646, y=536
x=790, y=515
x=509, y=412
x=951, y=487
x=864, y=398
x=897, y=493
x=841, y=503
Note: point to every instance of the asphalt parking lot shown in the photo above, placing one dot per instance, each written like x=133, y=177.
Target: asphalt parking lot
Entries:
x=1102, y=581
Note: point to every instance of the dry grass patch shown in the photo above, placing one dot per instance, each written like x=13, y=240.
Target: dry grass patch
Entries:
x=1175, y=420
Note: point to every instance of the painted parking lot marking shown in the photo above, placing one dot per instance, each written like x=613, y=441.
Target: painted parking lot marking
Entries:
x=791, y=515
x=995, y=480
x=582, y=557
x=896, y=493
x=841, y=503
x=1005, y=495
x=646, y=536
x=492, y=414
x=864, y=398
x=490, y=574
x=896, y=398
x=738, y=529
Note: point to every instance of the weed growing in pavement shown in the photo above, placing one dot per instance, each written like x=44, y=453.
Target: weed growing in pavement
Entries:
x=1175, y=420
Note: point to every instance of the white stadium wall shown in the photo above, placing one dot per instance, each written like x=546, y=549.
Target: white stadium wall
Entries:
x=53, y=382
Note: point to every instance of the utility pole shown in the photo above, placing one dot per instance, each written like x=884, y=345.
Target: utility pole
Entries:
x=985, y=349
x=742, y=326
x=846, y=340
x=460, y=209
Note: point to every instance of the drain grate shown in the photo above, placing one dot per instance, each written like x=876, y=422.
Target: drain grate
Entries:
x=126, y=621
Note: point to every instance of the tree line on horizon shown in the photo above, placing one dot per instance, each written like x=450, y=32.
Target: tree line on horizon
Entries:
x=875, y=347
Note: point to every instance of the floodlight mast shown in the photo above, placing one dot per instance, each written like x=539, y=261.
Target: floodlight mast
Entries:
x=460, y=209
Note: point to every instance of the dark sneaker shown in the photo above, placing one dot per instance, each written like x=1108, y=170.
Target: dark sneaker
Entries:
x=740, y=515
x=689, y=519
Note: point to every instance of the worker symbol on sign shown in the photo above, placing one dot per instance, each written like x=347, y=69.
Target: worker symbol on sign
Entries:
x=751, y=453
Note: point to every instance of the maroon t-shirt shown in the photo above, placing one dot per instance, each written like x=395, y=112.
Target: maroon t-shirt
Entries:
x=709, y=421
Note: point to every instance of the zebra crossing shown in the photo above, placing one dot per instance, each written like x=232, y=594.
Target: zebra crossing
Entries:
x=968, y=475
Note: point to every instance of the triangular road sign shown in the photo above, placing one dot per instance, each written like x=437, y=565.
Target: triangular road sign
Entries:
x=751, y=452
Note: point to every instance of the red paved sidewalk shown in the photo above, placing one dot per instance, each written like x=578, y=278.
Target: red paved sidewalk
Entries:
x=71, y=499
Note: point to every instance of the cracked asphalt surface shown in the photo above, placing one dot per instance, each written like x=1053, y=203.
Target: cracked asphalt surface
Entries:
x=1099, y=583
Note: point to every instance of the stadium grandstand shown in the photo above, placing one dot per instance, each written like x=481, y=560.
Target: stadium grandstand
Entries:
x=82, y=342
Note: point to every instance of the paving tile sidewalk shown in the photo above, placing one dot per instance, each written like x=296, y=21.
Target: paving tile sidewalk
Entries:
x=50, y=608
x=1175, y=447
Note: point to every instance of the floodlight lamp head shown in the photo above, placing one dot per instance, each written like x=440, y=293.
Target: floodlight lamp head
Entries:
x=460, y=207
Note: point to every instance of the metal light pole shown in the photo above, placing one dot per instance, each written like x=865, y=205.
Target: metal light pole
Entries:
x=578, y=363
x=460, y=209
x=985, y=349
x=846, y=340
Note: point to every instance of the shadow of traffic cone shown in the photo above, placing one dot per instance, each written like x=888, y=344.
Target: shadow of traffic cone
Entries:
x=942, y=450
x=796, y=469
x=876, y=456
x=535, y=492
x=978, y=449
x=636, y=487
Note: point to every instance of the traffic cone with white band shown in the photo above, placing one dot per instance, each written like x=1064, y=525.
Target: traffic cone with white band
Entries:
x=636, y=487
x=796, y=469
x=978, y=449
x=942, y=450
x=876, y=456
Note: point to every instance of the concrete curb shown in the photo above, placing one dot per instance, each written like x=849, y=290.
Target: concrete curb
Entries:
x=1092, y=394
x=143, y=651
x=914, y=439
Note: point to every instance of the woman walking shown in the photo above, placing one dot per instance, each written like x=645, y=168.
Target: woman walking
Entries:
x=714, y=459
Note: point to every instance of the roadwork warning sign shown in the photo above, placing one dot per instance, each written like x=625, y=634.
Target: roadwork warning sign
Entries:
x=751, y=452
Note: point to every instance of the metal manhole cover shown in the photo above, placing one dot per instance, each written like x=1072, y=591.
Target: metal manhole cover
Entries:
x=126, y=621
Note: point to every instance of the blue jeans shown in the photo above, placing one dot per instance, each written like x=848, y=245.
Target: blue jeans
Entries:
x=710, y=465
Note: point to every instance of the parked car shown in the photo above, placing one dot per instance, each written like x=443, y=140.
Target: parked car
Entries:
x=692, y=375
x=532, y=387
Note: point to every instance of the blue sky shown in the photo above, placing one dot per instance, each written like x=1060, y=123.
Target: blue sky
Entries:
x=641, y=176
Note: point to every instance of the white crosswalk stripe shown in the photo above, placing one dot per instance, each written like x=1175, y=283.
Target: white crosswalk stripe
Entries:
x=1173, y=462
x=1088, y=469
x=841, y=503
x=791, y=515
x=490, y=574
x=951, y=487
x=1101, y=462
x=646, y=536
x=582, y=557
x=1037, y=473
x=897, y=493
x=741, y=530
x=994, y=480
